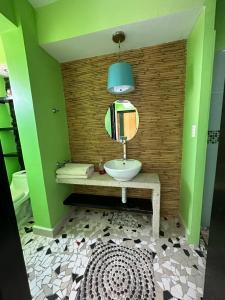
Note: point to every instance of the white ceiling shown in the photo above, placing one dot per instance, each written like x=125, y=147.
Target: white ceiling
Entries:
x=150, y=32
x=39, y=3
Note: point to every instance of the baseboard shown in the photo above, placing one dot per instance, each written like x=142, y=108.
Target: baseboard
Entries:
x=52, y=232
x=187, y=232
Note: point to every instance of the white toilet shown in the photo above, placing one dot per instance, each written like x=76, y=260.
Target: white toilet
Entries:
x=20, y=195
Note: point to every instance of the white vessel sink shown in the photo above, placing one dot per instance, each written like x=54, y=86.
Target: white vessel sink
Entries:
x=123, y=170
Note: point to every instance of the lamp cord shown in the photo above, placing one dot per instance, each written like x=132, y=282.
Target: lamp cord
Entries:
x=119, y=52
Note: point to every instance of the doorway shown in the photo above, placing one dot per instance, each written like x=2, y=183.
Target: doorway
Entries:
x=215, y=275
x=214, y=139
x=12, y=153
x=13, y=276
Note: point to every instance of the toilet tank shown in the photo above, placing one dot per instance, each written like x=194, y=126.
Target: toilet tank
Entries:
x=19, y=181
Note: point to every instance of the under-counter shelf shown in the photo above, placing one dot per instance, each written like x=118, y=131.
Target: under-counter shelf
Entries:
x=109, y=202
x=12, y=129
x=8, y=128
x=12, y=154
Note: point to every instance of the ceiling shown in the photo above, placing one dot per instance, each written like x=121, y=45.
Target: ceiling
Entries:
x=39, y=3
x=145, y=33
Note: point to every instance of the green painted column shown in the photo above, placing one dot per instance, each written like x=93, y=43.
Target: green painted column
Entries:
x=200, y=54
x=37, y=88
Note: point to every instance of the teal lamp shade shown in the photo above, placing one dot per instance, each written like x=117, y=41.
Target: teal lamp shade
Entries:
x=120, y=78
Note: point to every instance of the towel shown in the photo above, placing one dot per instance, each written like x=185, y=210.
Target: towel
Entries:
x=75, y=169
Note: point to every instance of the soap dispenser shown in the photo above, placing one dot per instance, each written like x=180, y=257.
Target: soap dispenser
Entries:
x=101, y=169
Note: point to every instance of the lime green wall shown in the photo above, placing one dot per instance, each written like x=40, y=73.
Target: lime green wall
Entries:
x=7, y=10
x=2, y=87
x=200, y=52
x=64, y=19
x=7, y=16
x=2, y=53
x=7, y=137
x=220, y=25
x=37, y=88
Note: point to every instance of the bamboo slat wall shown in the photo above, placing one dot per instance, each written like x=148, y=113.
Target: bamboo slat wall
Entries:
x=159, y=96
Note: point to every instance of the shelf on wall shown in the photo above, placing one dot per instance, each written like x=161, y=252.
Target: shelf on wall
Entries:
x=8, y=128
x=4, y=100
x=109, y=202
x=11, y=154
x=14, y=129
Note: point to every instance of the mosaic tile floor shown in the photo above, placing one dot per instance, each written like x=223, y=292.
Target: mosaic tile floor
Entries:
x=56, y=266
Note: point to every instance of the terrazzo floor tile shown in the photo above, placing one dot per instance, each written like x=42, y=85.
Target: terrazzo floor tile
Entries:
x=55, y=267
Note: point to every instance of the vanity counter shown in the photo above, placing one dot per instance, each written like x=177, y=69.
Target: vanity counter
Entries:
x=141, y=181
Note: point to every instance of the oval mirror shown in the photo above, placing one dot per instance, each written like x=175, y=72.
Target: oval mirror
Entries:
x=121, y=120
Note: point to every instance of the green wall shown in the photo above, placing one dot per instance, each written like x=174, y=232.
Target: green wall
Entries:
x=7, y=16
x=2, y=53
x=7, y=10
x=220, y=25
x=7, y=137
x=200, y=53
x=37, y=88
x=64, y=19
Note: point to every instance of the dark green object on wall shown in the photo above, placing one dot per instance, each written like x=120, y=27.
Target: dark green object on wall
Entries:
x=7, y=137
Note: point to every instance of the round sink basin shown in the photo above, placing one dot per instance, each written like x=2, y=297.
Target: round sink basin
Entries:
x=123, y=170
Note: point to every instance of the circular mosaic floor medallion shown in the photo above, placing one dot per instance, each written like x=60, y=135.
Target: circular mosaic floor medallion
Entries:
x=117, y=272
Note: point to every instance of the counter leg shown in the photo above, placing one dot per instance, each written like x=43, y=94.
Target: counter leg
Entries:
x=156, y=212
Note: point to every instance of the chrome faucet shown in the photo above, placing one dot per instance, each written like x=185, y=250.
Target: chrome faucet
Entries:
x=124, y=143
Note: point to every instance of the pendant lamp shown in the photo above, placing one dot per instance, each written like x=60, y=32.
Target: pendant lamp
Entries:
x=120, y=75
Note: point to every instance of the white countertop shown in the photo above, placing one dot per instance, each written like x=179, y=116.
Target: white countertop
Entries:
x=142, y=180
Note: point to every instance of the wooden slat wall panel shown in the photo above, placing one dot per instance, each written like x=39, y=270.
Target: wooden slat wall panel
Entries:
x=160, y=77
